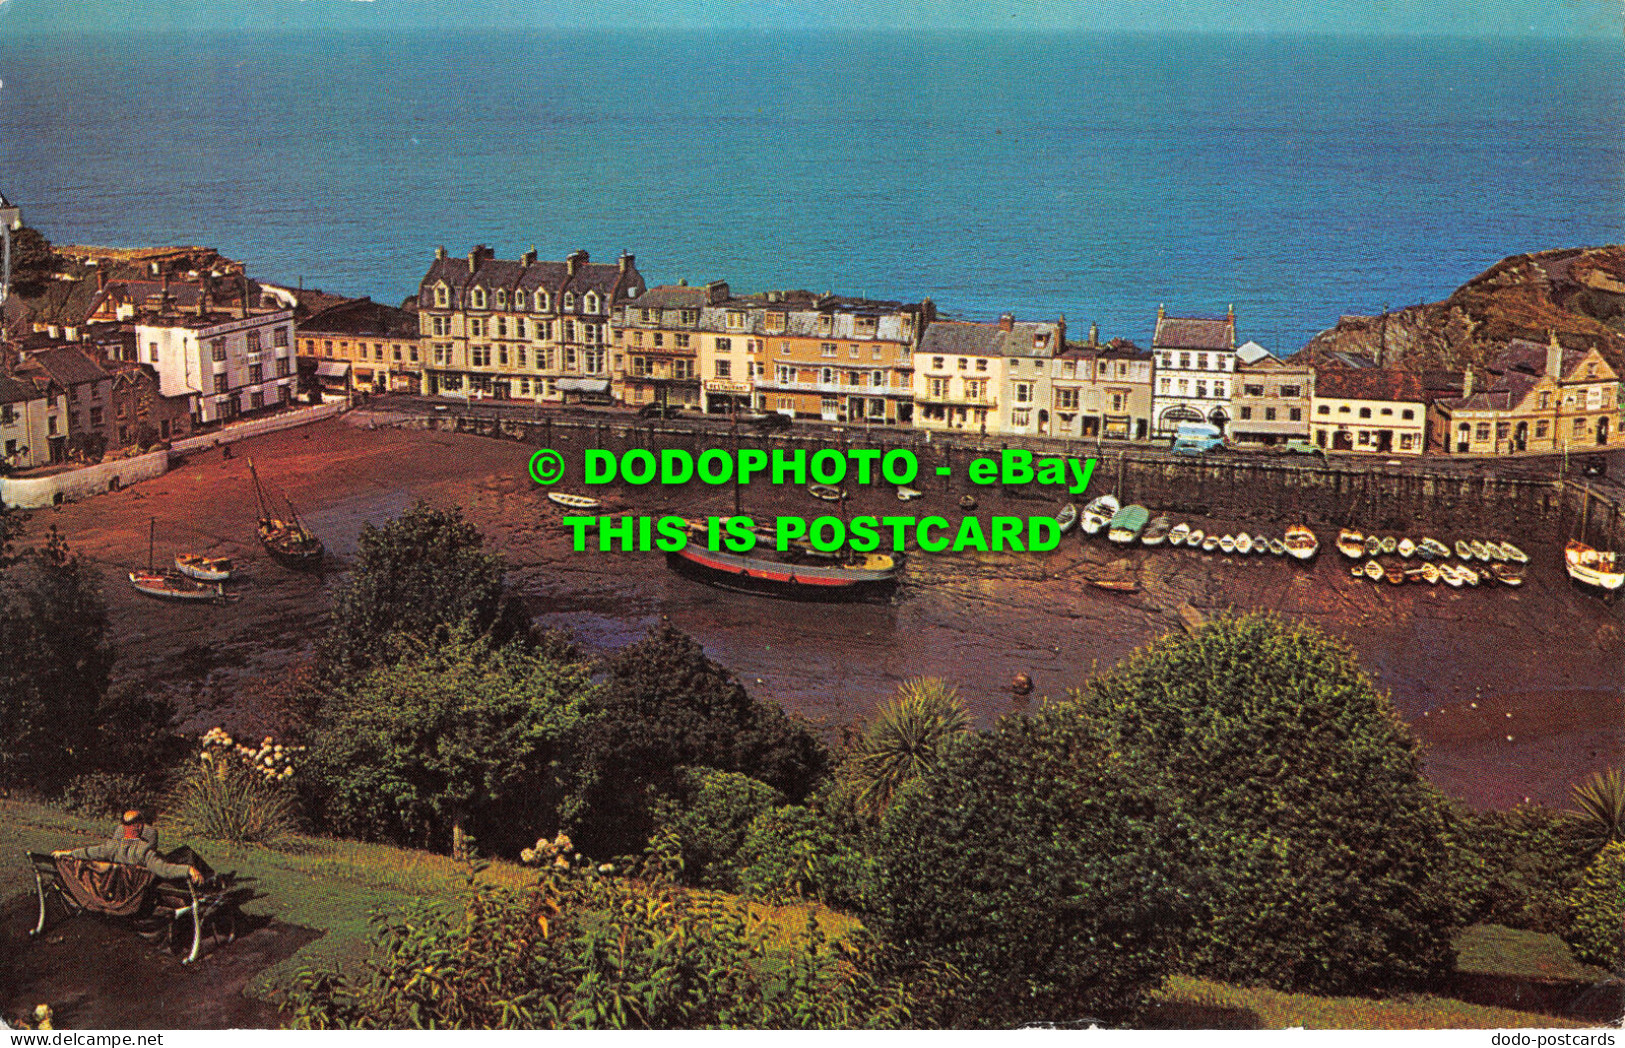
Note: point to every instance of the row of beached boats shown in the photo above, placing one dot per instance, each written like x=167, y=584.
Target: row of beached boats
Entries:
x=1134, y=523
x=199, y=577
x=1354, y=544
x=1452, y=574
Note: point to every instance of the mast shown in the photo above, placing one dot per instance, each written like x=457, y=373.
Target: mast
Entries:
x=259, y=491
x=152, y=532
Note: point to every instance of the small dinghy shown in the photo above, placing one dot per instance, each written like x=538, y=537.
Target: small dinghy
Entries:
x=171, y=585
x=569, y=501
x=1127, y=523
x=1351, y=543
x=1098, y=513
x=1197, y=537
x=1373, y=545
x=1227, y=544
x=1389, y=544
x=1179, y=533
x=1495, y=551
x=204, y=569
x=909, y=494
x=1430, y=573
x=1210, y=544
x=1407, y=548
x=1514, y=554
x=1373, y=571
x=1507, y=574
x=1452, y=575
x=1260, y=544
x=1244, y=543
x=1469, y=576
x=1395, y=573
x=1067, y=518
x=967, y=502
x=1433, y=549
x=1464, y=551
x=1301, y=542
x=1157, y=532
x=1277, y=547
x=1481, y=551
x=823, y=492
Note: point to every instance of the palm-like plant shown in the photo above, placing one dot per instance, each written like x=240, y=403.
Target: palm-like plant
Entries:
x=911, y=732
x=1600, y=802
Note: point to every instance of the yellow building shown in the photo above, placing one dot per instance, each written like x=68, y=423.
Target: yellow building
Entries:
x=987, y=378
x=1537, y=398
x=362, y=346
x=831, y=358
x=657, y=338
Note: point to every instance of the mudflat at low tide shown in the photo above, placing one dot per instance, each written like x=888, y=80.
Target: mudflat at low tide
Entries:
x=1517, y=693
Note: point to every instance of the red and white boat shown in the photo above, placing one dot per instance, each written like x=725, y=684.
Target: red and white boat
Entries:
x=798, y=573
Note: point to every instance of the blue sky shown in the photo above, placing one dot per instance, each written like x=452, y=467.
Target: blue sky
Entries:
x=1453, y=17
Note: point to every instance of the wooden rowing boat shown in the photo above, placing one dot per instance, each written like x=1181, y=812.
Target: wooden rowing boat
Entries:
x=204, y=569
x=1156, y=532
x=1277, y=547
x=1067, y=518
x=171, y=585
x=907, y=494
x=1244, y=543
x=1463, y=550
x=1301, y=542
x=1210, y=544
x=1507, y=574
x=1407, y=548
x=1227, y=544
x=1389, y=544
x=1373, y=570
x=824, y=492
x=1098, y=514
x=1127, y=523
x=1179, y=533
x=1432, y=548
x=1430, y=573
x=1514, y=554
x=1351, y=543
x=1593, y=567
x=569, y=501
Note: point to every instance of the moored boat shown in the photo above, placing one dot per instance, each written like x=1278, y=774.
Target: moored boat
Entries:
x=1178, y=534
x=798, y=573
x=1067, y=518
x=1244, y=543
x=907, y=494
x=1351, y=543
x=967, y=502
x=569, y=501
x=204, y=569
x=1096, y=515
x=1468, y=575
x=1496, y=551
x=1373, y=570
x=825, y=492
x=1127, y=523
x=1210, y=544
x=1277, y=547
x=1593, y=567
x=1301, y=542
x=1481, y=551
x=1407, y=548
x=171, y=585
x=1389, y=544
x=1432, y=547
x=1157, y=532
x=1227, y=544
x=289, y=542
x=1463, y=550
x=1507, y=574
x=1394, y=572
x=1260, y=544
x=1430, y=573
x=1373, y=545
x=1514, y=554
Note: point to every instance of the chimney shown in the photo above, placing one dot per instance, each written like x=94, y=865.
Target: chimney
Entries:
x=71, y=333
x=1230, y=317
x=1094, y=333
x=1060, y=334
x=1006, y=321
x=474, y=260
x=1467, y=382
x=440, y=251
x=573, y=264
x=1554, y=356
x=627, y=261
x=1161, y=312
x=203, y=302
x=716, y=291
x=529, y=257
x=242, y=285
x=101, y=279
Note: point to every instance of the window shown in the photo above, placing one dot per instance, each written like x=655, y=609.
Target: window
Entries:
x=1323, y=410
x=725, y=345
x=412, y=352
x=1294, y=414
x=1540, y=430
x=502, y=355
x=939, y=388
x=878, y=379
x=775, y=321
x=829, y=349
x=688, y=316
x=1579, y=426
x=1269, y=414
x=217, y=347
x=1218, y=390
x=152, y=352
x=1066, y=399
x=724, y=369
x=569, y=358
x=1184, y=361
x=1201, y=362
x=1387, y=412
x=854, y=351
x=476, y=328
x=569, y=302
x=96, y=413
x=1407, y=442
x=736, y=320
x=1545, y=401
x=1483, y=432
x=682, y=369
x=440, y=295
x=864, y=326
x=964, y=362
x=519, y=355
x=1020, y=416
x=569, y=333
x=256, y=374
x=1365, y=437
x=282, y=370
x=1244, y=413
x=1408, y=414
x=1252, y=390
x=1201, y=388
x=479, y=356
x=1024, y=392
x=256, y=400
x=591, y=302
x=541, y=302
x=219, y=387
x=476, y=298
x=502, y=327
x=981, y=363
x=502, y=298
x=1342, y=409
x=50, y=426
x=1291, y=391
x=1365, y=412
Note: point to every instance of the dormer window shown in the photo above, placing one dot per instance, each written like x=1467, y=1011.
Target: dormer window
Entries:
x=441, y=295
x=476, y=298
x=826, y=323
x=569, y=301
x=541, y=302
x=775, y=321
x=736, y=320
x=1040, y=340
x=591, y=305
x=502, y=299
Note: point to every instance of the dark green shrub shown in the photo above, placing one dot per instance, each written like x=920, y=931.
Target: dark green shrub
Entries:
x=794, y=852
x=665, y=706
x=100, y=794
x=1321, y=851
x=1518, y=867
x=1597, y=911
x=705, y=823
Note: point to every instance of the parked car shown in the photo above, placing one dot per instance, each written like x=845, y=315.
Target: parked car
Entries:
x=1297, y=447
x=1196, y=438
x=772, y=422
x=660, y=411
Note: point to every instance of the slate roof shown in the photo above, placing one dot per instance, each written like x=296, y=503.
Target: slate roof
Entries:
x=1251, y=353
x=491, y=273
x=967, y=339
x=672, y=296
x=1194, y=333
x=18, y=390
x=67, y=366
x=1529, y=357
x=1368, y=384
x=362, y=317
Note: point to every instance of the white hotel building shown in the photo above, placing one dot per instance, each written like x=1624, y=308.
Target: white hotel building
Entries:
x=226, y=364
x=1195, y=370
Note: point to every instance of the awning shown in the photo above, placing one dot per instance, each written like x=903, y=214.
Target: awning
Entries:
x=333, y=368
x=583, y=385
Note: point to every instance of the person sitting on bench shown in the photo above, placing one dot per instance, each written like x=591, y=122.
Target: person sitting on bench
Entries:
x=137, y=845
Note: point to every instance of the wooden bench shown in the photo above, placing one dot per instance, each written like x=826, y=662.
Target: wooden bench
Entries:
x=133, y=893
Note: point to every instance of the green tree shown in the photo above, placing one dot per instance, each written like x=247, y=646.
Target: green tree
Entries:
x=795, y=852
x=595, y=952
x=1517, y=867
x=415, y=579
x=665, y=706
x=909, y=735
x=1029, y=862
x=1597, y=932
x=465, y=738
x=1599, y=802
x=33, y=260
x=1322, y=850
x=55, y=661
x=706, y=820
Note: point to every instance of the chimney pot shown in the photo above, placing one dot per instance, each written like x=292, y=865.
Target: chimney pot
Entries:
x=440, y=251
x=1007, y=321
x=627, y=260
x=1467, y=382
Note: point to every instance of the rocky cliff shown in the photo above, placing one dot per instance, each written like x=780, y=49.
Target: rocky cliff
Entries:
x=1579, y=293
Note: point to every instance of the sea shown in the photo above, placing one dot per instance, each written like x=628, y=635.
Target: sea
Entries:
x=1090, y=176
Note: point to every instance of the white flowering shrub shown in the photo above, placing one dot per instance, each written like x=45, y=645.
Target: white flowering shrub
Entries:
x=237, y=791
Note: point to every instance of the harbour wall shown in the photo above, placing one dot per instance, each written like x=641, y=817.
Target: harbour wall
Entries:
x=1373, y=495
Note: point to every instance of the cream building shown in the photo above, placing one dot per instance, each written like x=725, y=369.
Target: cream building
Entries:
x=1374, y=411
x=986, y=378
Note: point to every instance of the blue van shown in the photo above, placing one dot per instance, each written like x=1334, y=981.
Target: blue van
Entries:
x=1196, y=438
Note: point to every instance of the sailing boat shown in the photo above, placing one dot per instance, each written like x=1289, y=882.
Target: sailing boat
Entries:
x=288, y=542
x=1593, y=567
x=169, y=585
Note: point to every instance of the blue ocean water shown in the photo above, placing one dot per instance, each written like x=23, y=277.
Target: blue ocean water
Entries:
x=1299, y=178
